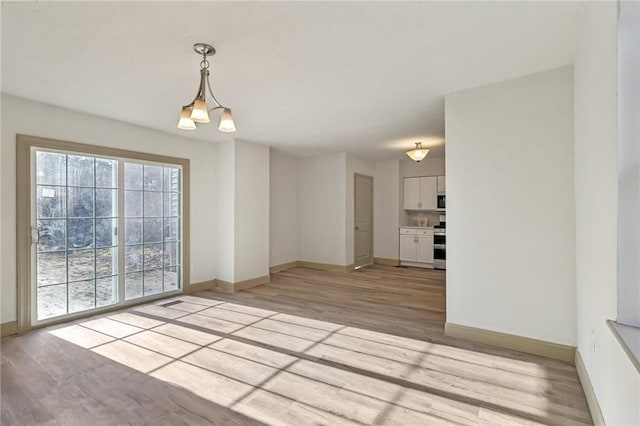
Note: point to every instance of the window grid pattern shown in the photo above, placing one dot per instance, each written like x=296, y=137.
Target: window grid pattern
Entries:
x=152, y=229
x=76, y=215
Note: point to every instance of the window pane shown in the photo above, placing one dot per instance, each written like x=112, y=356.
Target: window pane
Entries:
x=106, y=262
x=106, y=290
x=171, y=229
x=80, y=202
x=171, y=179
x=80, y=233
x=171, y=204
x=52, y=301
x=133, y=203
x=153, y=256
x=51, y=168
x=105, y=232
x=133, y=176
x=133, y=258
x=51, y=201
x=133, y=231
x=51, y=268
x=153, y=204
x=52, y=235
x=106, y=173
x=80, y=170
x=171, y=254
x=152, y=178
x=153, y=230
x=106, y=202
x=152, y=282
x=133, y=285
x=81, y=264
x=82, y=295
x=171, y=276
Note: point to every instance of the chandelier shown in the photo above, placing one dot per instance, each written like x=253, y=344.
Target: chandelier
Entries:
x=197, y=111
x=418, y=153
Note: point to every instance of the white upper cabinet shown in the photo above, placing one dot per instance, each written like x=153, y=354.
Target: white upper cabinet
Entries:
x=412, y=193
x=420, y=193
x=442, y=185
x=428, y=193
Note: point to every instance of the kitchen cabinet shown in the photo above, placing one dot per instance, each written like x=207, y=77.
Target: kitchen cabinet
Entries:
x=420, y=193
x=424, y=249
x=416, y=247
x=442, y=185
x=408, y=252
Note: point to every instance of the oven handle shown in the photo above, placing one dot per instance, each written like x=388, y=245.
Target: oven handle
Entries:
x=440, y=246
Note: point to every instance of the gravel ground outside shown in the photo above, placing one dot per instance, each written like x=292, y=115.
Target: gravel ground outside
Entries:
x=86, y=291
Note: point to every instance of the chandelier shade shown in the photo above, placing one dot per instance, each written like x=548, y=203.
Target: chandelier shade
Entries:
x=418, y=153
x=186, y=123
x=226, y=122
x=197, y=112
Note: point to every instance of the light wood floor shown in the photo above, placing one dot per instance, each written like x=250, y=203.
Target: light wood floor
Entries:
x=311, y=347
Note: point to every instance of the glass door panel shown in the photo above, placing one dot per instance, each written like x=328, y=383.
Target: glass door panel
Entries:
x=151, y=226
x=76, y=220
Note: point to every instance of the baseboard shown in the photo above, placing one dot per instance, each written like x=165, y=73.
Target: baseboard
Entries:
x=325, y=266
x=229, y=287
x=283, y=266
x=205, y=285
x=386, y=261
x=511, y=341
x=8, y=328
x=589, y=393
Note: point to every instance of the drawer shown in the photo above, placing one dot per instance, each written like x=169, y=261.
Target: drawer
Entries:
x=408, y=231
x=425, y=232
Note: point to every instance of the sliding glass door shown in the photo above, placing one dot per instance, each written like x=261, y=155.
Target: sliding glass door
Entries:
x=80, y=260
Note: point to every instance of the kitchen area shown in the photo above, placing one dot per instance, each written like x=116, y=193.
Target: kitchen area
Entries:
x=422, y=230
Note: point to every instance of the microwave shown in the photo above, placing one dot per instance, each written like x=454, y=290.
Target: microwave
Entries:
x=442, y=202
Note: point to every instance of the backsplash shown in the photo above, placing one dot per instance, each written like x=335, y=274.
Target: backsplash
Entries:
x=417, y=218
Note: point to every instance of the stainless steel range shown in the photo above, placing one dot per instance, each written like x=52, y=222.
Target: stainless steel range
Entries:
x=440, y=246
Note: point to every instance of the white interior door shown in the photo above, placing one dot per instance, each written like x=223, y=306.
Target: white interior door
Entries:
x=78, y=257
x=363, y=213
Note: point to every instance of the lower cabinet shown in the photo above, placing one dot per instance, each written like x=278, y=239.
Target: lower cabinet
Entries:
x=416, y=247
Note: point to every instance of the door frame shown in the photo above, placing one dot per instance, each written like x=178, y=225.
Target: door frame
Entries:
x=24, y=165
x=355, y=256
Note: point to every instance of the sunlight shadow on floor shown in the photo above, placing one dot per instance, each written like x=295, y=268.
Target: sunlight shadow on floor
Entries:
x=284, y=369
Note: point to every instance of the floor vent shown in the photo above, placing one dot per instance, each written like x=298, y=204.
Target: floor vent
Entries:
x=175, y=302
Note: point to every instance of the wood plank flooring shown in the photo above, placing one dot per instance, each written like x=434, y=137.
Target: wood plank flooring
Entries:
x=310, y=348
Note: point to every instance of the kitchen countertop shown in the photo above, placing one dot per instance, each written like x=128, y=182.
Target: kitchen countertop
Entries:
x=415, y=227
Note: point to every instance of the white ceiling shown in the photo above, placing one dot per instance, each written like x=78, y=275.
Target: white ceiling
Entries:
x=363, y=77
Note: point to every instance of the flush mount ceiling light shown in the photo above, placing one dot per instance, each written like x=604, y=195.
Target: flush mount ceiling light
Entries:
x=418, y=153
x=197, y=111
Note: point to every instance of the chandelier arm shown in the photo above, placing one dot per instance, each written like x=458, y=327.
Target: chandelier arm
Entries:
x=212, y=95
x=215, y=108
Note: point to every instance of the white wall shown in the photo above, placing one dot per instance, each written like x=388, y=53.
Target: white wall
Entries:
x=31, y=118
x=283, y=205
x=251, y=210
x=510, y=207
x=386, y=209
x=322, y=201
x=354, y=164
x=430, y=166
x=629, y=163
x=616, y=382
x=242, y=203
x=225, y=210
